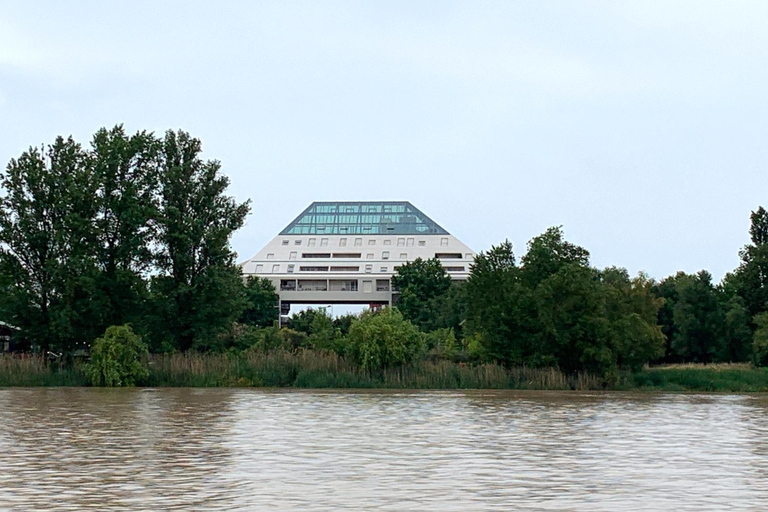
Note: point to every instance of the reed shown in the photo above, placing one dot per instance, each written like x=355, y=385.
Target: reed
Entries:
x=301, y=369
x=29, y=370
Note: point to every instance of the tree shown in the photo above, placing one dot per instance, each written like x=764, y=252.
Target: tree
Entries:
x=384, y=339
x=125, y=173
x=119, y=358
x=549, y=252
x=198, y=288
x=760, y=343
x=46, y=227
x=420, y=284
x=699, y=319
x=260, y=302
x=500, y=308
x=632, y=310
x=302, y=321
x=738, y=334
x=572, y=325
x=750, y=279
x=666, y=290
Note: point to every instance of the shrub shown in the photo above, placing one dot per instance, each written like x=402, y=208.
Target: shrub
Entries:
x=380, y=340
x=118, y=359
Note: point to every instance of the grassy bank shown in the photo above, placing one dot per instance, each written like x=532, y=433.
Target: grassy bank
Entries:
x=694, y=377
x=303, y=369
x=311, y=369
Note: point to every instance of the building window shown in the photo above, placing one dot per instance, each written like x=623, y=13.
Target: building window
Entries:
x=270, y=256
x=259, y=269
x=385, y=255
x=313, y=269
x=342, y=242
x=313, y=285
x=297, y=242
x=383, y=269
x=290, y=269
x=347, y=255
x=311, y=242
x=367, y=286
x=403, y=255
x=369, y=256
x=288, y=285
x=382, y=285
x=275, y=269
x=368, y=269
x=322, y=255
x=422, y=243
x=401, y=242
x=409, y=242
x=371, y=242
x=448, y=255
x=323, y=242
x=292, y=256
x=339, y=285
x=286, y=242
x=387, y=242
x=345, y=269
x=358, y=242
x=454, y=269
x=443, y=242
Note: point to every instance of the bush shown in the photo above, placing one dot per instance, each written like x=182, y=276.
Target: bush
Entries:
x=118, y=359
x=385, y=339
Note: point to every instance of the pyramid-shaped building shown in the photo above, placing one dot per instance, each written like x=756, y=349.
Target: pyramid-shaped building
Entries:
x=347, y=252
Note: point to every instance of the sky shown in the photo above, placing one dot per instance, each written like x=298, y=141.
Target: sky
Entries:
x=640, y=127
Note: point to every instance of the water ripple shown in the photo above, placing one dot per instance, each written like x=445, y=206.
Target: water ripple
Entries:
x=185, y=449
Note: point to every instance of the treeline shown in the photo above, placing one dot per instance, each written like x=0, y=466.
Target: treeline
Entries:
x=133, y=229
x=554, y=309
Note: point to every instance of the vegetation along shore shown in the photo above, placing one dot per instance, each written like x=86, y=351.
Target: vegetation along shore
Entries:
x=116, y=270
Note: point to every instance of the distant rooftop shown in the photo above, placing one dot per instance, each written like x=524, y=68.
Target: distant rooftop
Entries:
x=363, y=218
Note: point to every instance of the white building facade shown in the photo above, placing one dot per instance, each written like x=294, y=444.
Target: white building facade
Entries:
x=347, y=252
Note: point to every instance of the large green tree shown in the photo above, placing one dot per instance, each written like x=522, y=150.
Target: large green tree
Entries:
x=750, y=279
x=500, y=308
x=125, y=172
x=260, y=302
x=699, y=319
x=421, y=284
x=198, y=287
x=46, y=232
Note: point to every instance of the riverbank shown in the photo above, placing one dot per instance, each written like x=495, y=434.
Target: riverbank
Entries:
x=311, y=369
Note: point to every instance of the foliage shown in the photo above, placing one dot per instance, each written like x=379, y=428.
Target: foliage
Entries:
x=197, y=289
x=83, y=233
x=46, y=223
x=260, y=302
x=302, y=321
x=119, y=358
x=750, y=279
x=420, y=283
x=555, y=310
x=632, y=309
x=760, y=342
x=384, y=339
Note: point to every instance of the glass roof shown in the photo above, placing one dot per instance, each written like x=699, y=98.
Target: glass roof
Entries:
x=363, y=218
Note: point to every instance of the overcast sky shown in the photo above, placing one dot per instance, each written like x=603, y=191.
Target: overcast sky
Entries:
x=641, y=127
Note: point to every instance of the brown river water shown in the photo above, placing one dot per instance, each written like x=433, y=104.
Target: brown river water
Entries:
x=212, y=449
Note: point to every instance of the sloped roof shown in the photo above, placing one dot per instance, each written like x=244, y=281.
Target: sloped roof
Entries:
x=363, y=218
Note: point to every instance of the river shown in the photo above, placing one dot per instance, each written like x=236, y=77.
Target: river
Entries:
x=241, y=449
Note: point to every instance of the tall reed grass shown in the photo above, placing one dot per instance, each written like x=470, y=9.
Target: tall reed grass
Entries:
x=28, y=370
x=302, y=369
